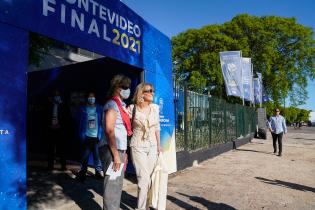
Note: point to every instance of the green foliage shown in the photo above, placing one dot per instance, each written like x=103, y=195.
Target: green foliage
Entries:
x=291, y=114
x=37, y=46
x=303, y=115
x=280, y=48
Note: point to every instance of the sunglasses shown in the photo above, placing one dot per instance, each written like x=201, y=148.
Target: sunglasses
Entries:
x=124, y=87
x=148, y=91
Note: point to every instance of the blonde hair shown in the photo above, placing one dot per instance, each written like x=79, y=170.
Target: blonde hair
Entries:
x=118, y=81
x=139, y=91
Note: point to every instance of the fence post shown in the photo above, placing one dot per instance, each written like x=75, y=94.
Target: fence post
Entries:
x=245, y=123
x=210, y=121
x=236, y=120
x=225, y=124
x=185, y=117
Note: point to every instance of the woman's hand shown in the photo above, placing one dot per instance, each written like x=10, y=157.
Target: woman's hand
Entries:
x=159, y=149
x=117, y=163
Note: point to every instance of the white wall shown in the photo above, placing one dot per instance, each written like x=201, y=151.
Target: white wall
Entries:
x=312, y=116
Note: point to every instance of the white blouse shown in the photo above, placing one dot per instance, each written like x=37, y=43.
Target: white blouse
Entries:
x=144, y=126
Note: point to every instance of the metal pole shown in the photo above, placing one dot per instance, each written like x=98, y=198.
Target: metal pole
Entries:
x=210, y=121
x=225, y=123
x=252, y=86
x=242, y=86
x=261, y=89
x=185, y=117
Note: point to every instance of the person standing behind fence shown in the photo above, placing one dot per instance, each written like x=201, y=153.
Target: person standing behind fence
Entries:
x=57, y=122
x=145, y=142
x=113, y=146
x=91, y=133
x=277, y=128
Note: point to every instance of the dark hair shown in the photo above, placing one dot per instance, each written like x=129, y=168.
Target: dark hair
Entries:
x=118, y=81
x=89, y=92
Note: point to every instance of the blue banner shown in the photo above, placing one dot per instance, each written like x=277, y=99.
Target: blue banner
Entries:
x=260, y=93
x=259, y=75
x=105, y=27
x=257, y=91
x=231, y=65
x=247, y=78
x=265, y=97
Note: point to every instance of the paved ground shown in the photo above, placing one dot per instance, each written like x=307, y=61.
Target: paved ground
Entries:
x=251, y=177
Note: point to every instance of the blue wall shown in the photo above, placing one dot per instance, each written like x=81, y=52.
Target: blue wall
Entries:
x=13, y=62
x=142, y=46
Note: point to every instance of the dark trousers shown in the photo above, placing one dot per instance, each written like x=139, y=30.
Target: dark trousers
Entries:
x=90, y=145
x=56, y=145
x=276, y=137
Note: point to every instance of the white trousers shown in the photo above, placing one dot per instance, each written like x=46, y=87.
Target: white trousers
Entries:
x=144, y=160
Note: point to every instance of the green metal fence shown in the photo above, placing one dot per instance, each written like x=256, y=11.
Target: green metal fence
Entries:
x=203, y=121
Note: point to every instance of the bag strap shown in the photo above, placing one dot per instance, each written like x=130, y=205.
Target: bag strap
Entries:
x=133, y=114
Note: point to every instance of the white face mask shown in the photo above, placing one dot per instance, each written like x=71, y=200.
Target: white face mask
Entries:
x=125, y=93
x=91, y=100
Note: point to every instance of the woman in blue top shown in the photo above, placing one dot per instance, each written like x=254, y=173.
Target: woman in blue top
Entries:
x=91, y=132
x=117, y=126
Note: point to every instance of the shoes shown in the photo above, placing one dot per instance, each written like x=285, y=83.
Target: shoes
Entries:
x=98, y=175
x=279, y=154
x=274, y=151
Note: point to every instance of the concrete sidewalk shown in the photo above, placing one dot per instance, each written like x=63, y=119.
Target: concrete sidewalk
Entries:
x=251, y=177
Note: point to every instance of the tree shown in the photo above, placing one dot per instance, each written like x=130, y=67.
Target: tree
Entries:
x=280, y=48
x=37, y=46
x=292, y=114
x=303, y=115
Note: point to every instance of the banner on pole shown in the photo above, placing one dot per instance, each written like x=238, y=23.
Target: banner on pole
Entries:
x=259, y=76
x=252, y=96
x=265, y=97
x=257, y=91
x=231, y=66
x=247, y=78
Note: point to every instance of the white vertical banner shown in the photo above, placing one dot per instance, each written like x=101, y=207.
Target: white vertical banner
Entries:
x=257, y=91
x=259, y=75
x=231, y=65
x=247, y=78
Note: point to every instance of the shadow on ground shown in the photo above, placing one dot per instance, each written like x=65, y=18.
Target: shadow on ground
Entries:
x=200, y=200
x=250, y=150
x=304, y=138
x=287, y=184
x=57, y=188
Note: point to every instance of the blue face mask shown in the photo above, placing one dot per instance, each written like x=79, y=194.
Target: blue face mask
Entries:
x=57, y=99
x=91, y=100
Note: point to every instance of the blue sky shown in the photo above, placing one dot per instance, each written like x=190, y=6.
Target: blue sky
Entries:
x=174, y=16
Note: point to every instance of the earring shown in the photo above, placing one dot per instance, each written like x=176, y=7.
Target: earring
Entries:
x=141, y=100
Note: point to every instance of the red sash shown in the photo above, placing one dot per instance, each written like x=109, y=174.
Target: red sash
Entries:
x=124, y=115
